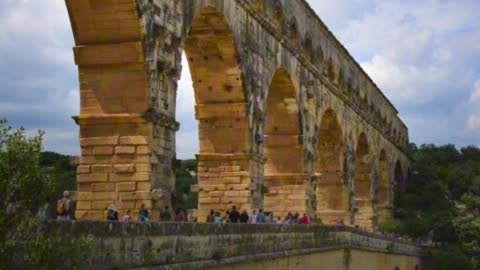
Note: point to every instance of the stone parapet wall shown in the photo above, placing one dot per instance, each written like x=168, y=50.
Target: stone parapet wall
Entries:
x=196, y=246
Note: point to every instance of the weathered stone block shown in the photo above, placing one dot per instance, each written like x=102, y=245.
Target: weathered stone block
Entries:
x=99, y=196
x=143, y=168
x=84, y=205
x=142, y=150
x=102, y=150
x=83, y=169
x=98, y=141
x=124, y=168
x=101, y=168
x=133, y=140
x=103, y=187
x=131, y=177
x=94, y=177
x=134, y=196
x=144, y=186
x=125, y=150
x=126, y=186
x=101, y=205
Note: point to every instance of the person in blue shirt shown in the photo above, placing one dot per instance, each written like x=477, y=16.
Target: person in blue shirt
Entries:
x=144, y=214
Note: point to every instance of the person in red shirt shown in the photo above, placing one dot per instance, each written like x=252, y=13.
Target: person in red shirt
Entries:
x=305, y=220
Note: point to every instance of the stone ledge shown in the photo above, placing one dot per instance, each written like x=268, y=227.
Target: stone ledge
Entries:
x=193, y=246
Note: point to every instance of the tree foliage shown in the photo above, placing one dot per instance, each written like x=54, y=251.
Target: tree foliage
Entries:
x=185, y=177
x=24, y=185
x=441, y=204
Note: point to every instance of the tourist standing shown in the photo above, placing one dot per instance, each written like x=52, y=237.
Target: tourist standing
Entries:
x=179, y=217
x=44, y=210
x=279, y=221
x=305, y=220
x=268, y=218
x=211, y=217
x=260, y=217
x=112, y=213
x=144, y=214
x=254, y=217
x=218, y=218
x=226, y=217
x=63, y=207
x=234, y=216
x=244, y=217
x=127, y=218
x=165, y=215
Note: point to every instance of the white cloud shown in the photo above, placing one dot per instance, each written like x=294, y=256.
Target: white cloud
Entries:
x=422, y=54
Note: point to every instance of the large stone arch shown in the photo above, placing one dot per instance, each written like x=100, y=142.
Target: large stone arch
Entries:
x=221, y=103
x=331, y=192
x=384, y=190
x=283, y=149
x=364, y=212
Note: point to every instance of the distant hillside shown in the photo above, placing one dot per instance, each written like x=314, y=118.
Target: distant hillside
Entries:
x=59, y=168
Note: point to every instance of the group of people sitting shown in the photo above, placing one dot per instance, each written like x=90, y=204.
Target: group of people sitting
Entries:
x=260, y=217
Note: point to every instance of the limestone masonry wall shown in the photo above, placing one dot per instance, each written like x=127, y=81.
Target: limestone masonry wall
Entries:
x=201, y=246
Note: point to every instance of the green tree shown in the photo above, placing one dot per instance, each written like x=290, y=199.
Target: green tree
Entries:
x=24, y=243
x=442, y=204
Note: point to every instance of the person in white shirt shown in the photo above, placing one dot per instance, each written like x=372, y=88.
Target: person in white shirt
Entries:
x=254, y=217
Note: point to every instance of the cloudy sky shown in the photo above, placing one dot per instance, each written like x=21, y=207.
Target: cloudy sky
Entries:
x=424, y=54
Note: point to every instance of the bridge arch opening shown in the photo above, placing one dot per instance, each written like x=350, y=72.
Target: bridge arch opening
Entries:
x=260, y=5
x=332, y=197
x=283, y=149
x=308, y=49
x=220, y=109
x=384, y=188
x=293, y=33
x=278, y=16
x=320, y=59
x=363, y=185
x=398, y=179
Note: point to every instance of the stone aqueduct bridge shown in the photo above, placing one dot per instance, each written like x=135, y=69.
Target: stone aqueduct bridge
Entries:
x=288, y=121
